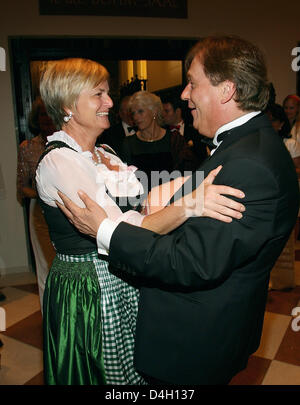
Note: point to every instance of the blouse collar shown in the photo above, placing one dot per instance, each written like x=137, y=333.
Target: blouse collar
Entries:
x=64, y=137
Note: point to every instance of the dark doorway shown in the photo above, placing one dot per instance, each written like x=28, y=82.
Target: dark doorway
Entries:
x=107, y=51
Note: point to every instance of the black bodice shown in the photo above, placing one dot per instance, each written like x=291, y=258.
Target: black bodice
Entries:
x=65, y=237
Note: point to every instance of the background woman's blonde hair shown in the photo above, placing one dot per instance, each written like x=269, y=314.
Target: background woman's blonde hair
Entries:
x=63, y=81
x=150, y=101
x=297, y=100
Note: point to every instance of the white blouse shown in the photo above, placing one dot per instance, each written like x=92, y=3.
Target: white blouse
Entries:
x=293, y=146
x=295, y=131
x=68, y=171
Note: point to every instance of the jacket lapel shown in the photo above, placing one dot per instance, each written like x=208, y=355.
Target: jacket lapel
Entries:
x=254, y=124
x=233, y=135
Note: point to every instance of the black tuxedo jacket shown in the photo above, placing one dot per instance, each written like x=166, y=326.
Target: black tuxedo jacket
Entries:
x=201, y=315
x=199, y=148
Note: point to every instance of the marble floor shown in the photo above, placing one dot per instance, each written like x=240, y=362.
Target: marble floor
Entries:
x=276, y=362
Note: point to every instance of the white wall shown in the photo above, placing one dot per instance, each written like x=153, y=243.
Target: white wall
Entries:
x=275, y=29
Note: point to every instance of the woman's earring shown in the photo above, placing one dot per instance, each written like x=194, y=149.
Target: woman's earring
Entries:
x=68, y=117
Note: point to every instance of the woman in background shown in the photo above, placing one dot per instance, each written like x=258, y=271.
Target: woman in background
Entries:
x=281, y=124
x=283, y=273
x=28, y=155
x=291, y=105
x=153, y=148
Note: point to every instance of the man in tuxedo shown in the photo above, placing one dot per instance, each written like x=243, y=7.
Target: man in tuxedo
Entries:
x=201, y=315
x=173, y=117
x=115, y=135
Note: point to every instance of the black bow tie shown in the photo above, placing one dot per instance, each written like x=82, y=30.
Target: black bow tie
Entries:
x=209, y=141
x=174, y=127
x=134, y=128
x=222, y=135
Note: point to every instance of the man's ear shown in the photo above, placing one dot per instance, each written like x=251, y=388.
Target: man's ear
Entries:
x=178, y=113
x=227, y=91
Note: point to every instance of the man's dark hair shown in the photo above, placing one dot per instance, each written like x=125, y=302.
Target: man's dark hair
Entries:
x=277, y=113
x=237, y=60
x=175, y=102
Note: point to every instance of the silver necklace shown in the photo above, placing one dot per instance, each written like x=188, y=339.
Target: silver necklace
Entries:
x=152, y=139
x=98, y=157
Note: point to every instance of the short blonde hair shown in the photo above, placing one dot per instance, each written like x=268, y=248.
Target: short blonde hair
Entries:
x=149, y=101
x=63, y=81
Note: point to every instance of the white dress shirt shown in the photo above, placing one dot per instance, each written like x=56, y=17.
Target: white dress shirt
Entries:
x=230, y=125
x=180, y=129
x=127, y=132
x=68, y=171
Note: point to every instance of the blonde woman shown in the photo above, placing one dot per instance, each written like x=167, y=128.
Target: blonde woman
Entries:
x=291, y=105
x=28, y=155
x=89, y=313
x=154, y=149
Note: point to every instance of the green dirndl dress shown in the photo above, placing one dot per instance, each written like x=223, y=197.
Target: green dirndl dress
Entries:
x=89, y=324
x=89, y=315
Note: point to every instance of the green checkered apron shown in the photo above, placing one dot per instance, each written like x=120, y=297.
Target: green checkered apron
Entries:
x=119, y=305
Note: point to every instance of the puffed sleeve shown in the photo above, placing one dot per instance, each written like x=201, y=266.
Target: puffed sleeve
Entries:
x=67, y=171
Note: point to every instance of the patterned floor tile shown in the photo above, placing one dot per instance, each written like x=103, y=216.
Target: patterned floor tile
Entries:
x=17, y=279
x=282, y=374
x=282, y=302
x=276, y=362
x=31, y=288
x=19, y=305
x=275, y=326
x=12, y=294
x=28, y=330
x=297, y=270
x=289, y=349
x=37, y=380
x=254, y=373
x=19, y=362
